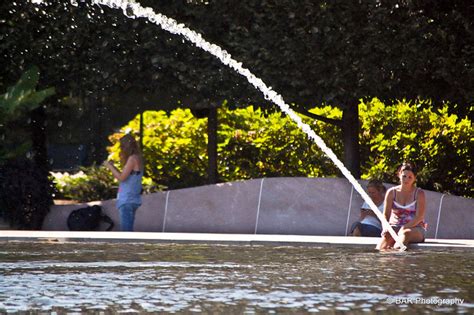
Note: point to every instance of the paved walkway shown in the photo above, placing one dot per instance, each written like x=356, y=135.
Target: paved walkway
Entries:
x=240, y=239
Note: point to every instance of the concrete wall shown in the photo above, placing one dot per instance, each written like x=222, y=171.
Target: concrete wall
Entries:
x=300, y=206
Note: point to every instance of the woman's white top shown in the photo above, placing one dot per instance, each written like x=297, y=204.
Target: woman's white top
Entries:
x=371, y=220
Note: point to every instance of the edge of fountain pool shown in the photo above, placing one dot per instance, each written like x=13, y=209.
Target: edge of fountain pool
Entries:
x=220, y=238
x=282, y=205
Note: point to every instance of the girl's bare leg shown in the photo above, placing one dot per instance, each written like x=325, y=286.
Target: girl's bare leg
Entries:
x=411, y=235
x=356, y=232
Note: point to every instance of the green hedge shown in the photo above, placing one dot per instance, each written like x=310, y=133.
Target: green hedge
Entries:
x=440, y=144
x=255, y=144
x=251, y=145
x=90, y=184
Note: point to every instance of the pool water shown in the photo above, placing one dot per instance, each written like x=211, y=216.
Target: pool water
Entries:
x=103, y=278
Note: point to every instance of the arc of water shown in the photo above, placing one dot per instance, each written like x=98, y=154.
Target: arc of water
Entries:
x=133, y=9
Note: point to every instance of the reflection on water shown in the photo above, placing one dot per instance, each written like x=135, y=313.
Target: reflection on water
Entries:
x=104, y=277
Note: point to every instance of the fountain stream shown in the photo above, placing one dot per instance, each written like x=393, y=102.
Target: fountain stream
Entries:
x=133, y=9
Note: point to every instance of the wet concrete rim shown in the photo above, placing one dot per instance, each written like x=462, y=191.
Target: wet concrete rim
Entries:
x=215, y=238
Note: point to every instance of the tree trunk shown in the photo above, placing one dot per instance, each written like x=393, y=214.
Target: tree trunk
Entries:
x=350, y=129
x=97, y=143
x=212, y=145
x=39, y=199
x=38, y=140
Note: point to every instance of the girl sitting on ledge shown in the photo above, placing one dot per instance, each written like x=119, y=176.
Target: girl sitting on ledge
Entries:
x=369, y=224
x=404, y=210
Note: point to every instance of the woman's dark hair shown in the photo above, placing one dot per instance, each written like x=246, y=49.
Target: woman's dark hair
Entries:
x=408, y=166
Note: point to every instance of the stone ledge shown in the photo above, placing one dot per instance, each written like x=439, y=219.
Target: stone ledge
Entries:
x=218, y=238
x=282, y=205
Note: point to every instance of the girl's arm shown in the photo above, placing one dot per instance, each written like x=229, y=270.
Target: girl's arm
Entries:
x=387, y=210
x=364, y=209
x=420, y=210
x=127, y=169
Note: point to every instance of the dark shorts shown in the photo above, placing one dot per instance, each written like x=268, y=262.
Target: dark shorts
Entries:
x=366, y=229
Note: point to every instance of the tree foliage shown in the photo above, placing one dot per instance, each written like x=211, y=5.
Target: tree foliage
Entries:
x=88, y=184
x=174, y=147
x=251, y=145
x=439, y=143
x=16, y=106
x=22, y=97
x=312, y=52
x=25, y=191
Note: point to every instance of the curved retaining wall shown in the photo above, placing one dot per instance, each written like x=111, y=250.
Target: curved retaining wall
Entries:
x=298, y=206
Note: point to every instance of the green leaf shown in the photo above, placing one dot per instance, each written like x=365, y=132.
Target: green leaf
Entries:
x=23, y=97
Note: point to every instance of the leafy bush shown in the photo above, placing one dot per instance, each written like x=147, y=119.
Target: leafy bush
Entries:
x=439, y=143
x=174, y=148
x=251, y=144
x=89, y=184
x=254, y=144
x=15, y=107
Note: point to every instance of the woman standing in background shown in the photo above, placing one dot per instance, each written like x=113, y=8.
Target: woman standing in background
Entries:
x=130, y=179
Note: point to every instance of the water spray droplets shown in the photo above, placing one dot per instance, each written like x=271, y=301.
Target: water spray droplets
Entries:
x=35, y=2
x=173, y=27
x=129, y=12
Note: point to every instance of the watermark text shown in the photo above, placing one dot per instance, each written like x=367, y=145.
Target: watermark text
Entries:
x=426, y=301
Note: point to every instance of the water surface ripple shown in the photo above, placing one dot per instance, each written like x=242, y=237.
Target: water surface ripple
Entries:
x=138, y=277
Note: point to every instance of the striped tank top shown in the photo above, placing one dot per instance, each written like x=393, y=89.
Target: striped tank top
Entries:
x=402, y=214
